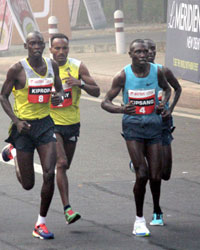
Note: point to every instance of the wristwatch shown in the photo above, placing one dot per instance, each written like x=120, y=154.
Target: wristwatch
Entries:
x=82, y=84
x=62, y=98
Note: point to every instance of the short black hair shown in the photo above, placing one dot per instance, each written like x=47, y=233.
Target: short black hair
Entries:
x=33, y=33
x=136, y=41
x=59, y=35
x=149, y=41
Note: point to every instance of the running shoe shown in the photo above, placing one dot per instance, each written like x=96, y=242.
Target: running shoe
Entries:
x=131, y=167
x=71, y=216
x=6, y=152
x=140, y=229
x=157, y=220
x=42, y=232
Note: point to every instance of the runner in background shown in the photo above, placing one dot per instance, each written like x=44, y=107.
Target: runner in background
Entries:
x=75, y=79
x=167, y=121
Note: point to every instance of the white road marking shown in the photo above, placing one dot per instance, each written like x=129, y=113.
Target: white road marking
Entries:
x=186, y=115
x=37, y=167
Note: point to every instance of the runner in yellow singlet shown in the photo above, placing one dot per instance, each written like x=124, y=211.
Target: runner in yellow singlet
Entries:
x=31, y=81
x=66, y=116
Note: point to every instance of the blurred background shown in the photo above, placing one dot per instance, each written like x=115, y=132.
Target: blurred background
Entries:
x=135, y=12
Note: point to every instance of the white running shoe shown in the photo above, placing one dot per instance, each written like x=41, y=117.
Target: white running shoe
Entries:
x=140, y=229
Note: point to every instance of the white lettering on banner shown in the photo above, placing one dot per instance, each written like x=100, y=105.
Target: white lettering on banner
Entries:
x=185, y=17
x=193, y=43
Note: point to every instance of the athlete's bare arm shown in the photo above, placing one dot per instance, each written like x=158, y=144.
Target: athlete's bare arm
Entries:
x=57, y=97
x=175, y=85
x=117, y=86
x=15, y=78
x=90, y=85
x=162, y=82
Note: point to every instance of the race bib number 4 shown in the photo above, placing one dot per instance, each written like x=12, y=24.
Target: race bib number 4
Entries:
x=144, y=101
x=39, y=90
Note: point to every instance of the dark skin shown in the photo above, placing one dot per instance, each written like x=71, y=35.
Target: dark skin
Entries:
x=66, y=150
x=47, y=152
x=173, y=82
x=138, y=150
x=60, y=50
x=171, y=79
x=140, y=68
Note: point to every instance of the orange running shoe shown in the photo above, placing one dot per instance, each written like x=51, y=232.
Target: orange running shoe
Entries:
x=6, y=152
x=42, y=232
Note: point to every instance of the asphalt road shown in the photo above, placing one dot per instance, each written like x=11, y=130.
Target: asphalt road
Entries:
x=101, y=190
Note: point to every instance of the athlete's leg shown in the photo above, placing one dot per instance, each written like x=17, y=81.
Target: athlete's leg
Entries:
x=24, y=169
x=167, y=130
x=154, y=158
x=47, y=154
x=65, y=152
x=167, y=162
x=136, y=151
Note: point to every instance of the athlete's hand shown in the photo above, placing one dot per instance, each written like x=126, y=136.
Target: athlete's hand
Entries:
x=166, y=113
x=56, y=99
x=159, y=108
x=71, y=81
x=23, y=126
x=128, y=109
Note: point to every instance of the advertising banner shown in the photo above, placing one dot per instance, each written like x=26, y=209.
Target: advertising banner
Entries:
x=183, y=39
x=73, y=11
x=5, y=26
x=95, y=14
x=23, y=17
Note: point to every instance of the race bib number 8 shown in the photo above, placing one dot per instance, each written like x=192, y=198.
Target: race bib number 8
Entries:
x=39, y=90
x=144, y=101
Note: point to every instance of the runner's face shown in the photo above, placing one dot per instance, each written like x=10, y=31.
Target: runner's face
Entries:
x=152, y=51
x=139, y=53
x=60, y=50
x=35, y=45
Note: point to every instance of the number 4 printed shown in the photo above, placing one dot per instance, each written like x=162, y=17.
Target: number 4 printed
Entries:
x=142, y=110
